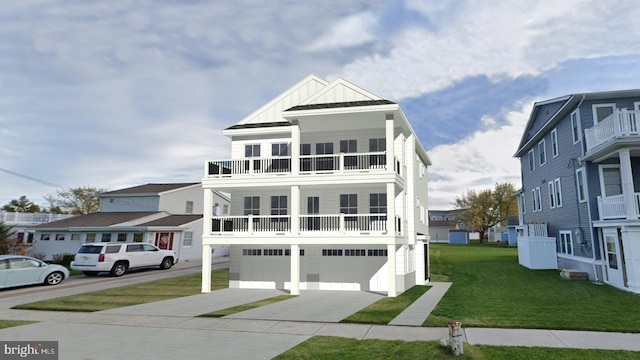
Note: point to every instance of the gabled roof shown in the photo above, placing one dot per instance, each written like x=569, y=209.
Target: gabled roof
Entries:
x=96, y=219
x=341, y=105
x=340, y=91
x=173, y=220
x=150, y=189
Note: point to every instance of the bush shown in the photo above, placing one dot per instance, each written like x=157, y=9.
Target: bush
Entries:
x=63, y=259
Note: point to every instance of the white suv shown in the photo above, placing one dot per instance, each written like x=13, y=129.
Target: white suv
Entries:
x=117, y=258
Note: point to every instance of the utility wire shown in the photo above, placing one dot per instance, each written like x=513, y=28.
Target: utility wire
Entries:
x=40, y=181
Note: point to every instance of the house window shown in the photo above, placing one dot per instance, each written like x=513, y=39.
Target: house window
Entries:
x=137, y=237
x=554, y=142
x=106, y=237
x=558, y=192
x=45, y=237
x=537, y=200
x=331, y=252
x=377, y=145
x=187, y=239
x=252, y=150
x=348, y=146
x=279, y=212
x=377, y=252
x=532, y=160
x=324, y=148
x=575, y=126
x=581, y=182
x=189, y=207
x=75, y=237
x=354, y=252
x=523, y=204
x=324, y=162
x=252, y=205
x=602, y=111
x=378, y=205
x=60, y=237
x=279, y=149
x=543, y=152
x=225, y=209
x=349, y=203
x=611, y=181
x=566, y=243
x=91, y=237
x=252, y=252
x=552, y=199
x=122, y=237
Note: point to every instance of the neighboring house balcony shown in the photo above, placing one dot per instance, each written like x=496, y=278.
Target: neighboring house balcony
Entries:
x=369, y=162
x=14, y=218
x=618, y=129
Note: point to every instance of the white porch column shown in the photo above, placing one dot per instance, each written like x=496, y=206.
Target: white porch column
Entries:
x=295, y=269
x=391, y=263
x=627, y=184
x=295, y=210
x=206, y=236
x=295, y=148
x=206, y=268
x=631, y=249
x=389, y=136
x=391, y=209
x=419, y=261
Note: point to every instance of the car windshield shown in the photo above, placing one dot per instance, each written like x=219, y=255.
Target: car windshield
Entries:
x=90, y=250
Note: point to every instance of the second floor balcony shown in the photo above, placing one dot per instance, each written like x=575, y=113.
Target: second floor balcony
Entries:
x=307, y=164
x=328, y=224
x=622, y=124
x=615, y=207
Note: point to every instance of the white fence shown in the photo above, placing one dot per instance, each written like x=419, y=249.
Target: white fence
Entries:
x=537, y=252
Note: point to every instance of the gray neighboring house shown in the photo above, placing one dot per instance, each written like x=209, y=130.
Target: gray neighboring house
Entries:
x=580, y=168
x=166, y=215
x=441, y=222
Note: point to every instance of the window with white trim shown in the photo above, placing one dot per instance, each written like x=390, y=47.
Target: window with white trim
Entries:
x=251, y=205
x=565, y=245
x=252, y=150
x=523, y=204
x=537, y=199
x=552, y=199
x=543, y=152
x=45, y=237
x=575, y=126
x=581, y=185
x=532, y=160
x=602, y=111
x=554, y=142
x=558, y=192
x=106, y=237
x=137, y=237
x=187, y=238
x=189, y=207
x=90, y=238
x=60, y=237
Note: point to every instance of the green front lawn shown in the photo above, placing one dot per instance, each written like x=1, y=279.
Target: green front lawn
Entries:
x=386, y=309
x=133, y=294
x=12, y=323
x=490, y=289
x=325, y=347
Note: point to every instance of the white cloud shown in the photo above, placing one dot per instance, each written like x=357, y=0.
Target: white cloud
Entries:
x=352, y=31
x=477, y=162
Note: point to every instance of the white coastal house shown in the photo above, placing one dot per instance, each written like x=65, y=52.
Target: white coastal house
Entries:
x=165, y=214
x=328, y=187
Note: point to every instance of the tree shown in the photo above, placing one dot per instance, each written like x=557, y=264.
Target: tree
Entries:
x=77, y=201
x=9, y=243
x=21, y=205
x=487, y=208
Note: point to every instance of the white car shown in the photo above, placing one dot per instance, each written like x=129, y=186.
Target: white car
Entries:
x=118, y=258
x=18, y=270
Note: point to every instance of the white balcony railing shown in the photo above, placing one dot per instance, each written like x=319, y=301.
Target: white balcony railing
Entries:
x=328, y=163
x=622, y=123
x=14, y=218
x=614, y=207
x=309, y=224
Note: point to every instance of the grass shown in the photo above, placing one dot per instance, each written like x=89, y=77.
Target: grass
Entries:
x=326, y=347
x=11, y=323
x=131, y=295
x=248, y=306
x=490, y=289
x=386, y=309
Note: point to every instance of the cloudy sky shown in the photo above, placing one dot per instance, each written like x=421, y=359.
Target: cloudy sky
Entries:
x=119, y=93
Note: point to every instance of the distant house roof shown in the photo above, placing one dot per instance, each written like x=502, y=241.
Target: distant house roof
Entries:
x=96, y=219
x=149, y=188
x=341, y=105
x=173, y=220
x=447, y=223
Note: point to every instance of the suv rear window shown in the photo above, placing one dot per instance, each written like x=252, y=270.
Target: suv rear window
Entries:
x=90, y=249
x=112, y=249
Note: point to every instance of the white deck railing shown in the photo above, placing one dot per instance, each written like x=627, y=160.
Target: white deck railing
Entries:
x=614, y=207
x=14, y=218
x=309, y=224
x=328, y=163
x=621, y=123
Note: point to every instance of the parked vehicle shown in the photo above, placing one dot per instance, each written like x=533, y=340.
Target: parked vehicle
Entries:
x=118, y=258
x=18, y=270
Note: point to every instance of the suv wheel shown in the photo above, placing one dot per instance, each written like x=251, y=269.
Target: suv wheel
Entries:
x=166, y=263
x=119, y=269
